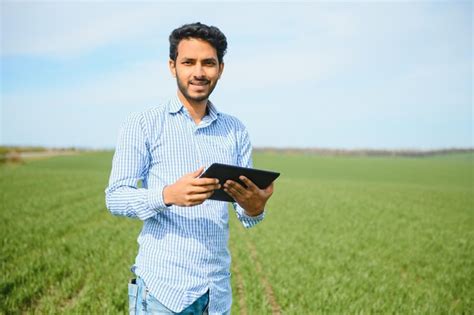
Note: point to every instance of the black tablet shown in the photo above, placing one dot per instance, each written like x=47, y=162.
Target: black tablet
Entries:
x=223, y=172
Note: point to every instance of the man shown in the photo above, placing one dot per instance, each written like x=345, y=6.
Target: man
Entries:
x=183, y=261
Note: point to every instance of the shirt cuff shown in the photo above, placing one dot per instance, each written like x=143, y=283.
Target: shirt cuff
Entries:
x=256, y=217
x=247, y=220
x=155, y=199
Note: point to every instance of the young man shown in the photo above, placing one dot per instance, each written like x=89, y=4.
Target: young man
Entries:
x=183, y=261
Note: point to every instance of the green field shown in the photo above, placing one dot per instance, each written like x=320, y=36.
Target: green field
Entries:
x=342, y=235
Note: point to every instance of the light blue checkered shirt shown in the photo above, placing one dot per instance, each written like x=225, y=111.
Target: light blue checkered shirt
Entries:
x=182, y=250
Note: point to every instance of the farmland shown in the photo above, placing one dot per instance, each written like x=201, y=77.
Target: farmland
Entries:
x=342, y=235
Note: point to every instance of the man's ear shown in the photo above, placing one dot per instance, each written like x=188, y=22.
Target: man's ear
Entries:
x=221, y=69
x=172, y=66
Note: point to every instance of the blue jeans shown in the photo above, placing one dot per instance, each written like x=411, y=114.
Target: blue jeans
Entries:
x=141, y=302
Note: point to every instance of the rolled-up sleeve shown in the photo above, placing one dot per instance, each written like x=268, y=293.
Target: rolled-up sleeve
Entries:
x=244, y=159
x=130, y=164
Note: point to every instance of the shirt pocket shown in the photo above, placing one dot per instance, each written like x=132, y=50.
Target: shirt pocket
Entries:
x=219, y=148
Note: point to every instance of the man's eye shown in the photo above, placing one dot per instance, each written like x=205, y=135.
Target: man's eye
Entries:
x=186, y=62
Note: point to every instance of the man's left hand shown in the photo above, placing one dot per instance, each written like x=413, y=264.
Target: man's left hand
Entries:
x=252, y=198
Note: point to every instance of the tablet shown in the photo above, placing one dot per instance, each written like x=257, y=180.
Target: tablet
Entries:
x=223, y=172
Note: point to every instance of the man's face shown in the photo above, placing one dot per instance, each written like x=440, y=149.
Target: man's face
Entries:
x=196, y=69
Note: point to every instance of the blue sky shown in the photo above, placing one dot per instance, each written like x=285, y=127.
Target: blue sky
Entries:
x=322, y=74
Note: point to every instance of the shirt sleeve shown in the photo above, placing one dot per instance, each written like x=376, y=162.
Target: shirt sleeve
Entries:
x=130, y=164
x=244, y=159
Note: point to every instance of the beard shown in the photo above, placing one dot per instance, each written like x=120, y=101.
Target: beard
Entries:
x=183, y=88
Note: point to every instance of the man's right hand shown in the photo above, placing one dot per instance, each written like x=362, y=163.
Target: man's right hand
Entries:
x=190, y=190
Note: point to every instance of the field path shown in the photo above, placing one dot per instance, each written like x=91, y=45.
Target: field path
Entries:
x=240, y=288
x=270, y=295
x=46, y=154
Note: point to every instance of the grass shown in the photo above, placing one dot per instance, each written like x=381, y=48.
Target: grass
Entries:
x=342, y=235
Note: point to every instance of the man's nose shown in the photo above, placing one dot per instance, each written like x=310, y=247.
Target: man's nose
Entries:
x=198, y=71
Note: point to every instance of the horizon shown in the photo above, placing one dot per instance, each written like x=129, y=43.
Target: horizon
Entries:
x=262, y=148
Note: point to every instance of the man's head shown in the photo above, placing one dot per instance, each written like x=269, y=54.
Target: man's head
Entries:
x=196, y=60
x=210, y=34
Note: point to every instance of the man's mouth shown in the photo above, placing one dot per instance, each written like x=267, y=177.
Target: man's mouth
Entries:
x=199, y=82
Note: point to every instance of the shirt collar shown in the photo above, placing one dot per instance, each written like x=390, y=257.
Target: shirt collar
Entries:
x=176, y=106
x=212, y=111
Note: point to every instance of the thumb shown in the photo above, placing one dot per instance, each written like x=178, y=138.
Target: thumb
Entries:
x=197, y=172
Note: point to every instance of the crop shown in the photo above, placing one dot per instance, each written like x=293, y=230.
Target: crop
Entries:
x=341, y=235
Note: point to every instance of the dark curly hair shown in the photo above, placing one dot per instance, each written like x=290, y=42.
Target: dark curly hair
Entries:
x=210, y=34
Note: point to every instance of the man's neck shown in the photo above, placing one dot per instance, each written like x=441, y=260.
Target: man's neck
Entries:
x=197, y=110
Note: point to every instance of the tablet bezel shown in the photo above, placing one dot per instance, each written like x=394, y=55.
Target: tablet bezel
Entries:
x=224, y=172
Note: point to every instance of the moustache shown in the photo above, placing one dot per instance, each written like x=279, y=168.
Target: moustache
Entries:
x=200, y=81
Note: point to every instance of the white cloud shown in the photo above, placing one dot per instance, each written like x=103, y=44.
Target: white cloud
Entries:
x=348, y=63
x=62, y=29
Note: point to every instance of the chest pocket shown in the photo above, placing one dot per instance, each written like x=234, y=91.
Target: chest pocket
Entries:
x=218, y=148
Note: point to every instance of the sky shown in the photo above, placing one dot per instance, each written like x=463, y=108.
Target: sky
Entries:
x=349, y=75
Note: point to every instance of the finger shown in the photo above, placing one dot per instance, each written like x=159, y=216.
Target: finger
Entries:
x=269, y=189
x=234, y=187
x=232, y=194
x=240, y=199
x=237, y=186
x=205, y=181
x=199, y=198
x=197, y=172
x=204, y=189
x=249, y=183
